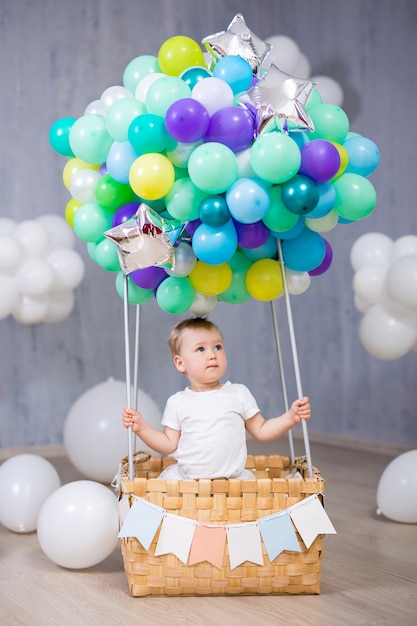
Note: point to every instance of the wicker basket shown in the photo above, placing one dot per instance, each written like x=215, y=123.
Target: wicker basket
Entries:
x=220, y=502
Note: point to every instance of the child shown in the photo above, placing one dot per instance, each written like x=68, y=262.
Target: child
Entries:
x=204, y=425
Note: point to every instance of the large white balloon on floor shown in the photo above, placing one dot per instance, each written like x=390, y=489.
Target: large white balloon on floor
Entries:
x=94, y=437
x=397, y=489
x=78, y=524
x=26, y=481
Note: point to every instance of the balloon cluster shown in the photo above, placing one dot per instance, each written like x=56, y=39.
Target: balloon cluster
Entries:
x=385, y=291
x=247, y=157
x=39, y=269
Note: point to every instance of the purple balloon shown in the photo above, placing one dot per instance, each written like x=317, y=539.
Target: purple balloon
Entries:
x=325, y=264
x=320, y=160
x=232, y=126
x=187, y=120
x=124, y=213
x=148, y=277
x=251, y=235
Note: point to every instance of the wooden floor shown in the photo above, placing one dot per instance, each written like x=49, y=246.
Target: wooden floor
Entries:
x=369, y=573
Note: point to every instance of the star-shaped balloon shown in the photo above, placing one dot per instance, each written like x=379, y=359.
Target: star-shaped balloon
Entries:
x=145, y=240
x=277, y=102
x=240, y=41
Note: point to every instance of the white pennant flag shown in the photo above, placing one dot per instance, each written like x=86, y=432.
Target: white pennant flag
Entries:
x=176, y=536
x=310, y=519
x=244, y=543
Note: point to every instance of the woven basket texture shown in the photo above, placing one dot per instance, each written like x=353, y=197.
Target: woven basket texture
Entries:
x=222, y=501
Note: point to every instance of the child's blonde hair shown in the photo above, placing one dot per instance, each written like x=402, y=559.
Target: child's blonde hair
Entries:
x=193, y=323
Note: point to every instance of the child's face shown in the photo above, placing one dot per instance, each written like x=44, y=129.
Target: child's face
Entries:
x=202, y=358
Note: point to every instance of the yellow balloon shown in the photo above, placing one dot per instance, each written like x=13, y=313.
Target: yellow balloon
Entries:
x=210, y=280
x=344, y=159
x=74, y=165
x=178, y=53
x=70, y=211
x=264, y=280
x=151, y=176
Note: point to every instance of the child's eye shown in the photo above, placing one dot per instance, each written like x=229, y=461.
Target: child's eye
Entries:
x=200, y=349
x=219, y=347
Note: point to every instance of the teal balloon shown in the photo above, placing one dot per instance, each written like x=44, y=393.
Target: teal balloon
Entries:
x=268, y=250
x=300, y=194
x=147, y=133
x=59, y=136
x=214, y=211
x=135, y=294
x=192, y=75
x=89, y=138
x=304, y=252
x=175, y=295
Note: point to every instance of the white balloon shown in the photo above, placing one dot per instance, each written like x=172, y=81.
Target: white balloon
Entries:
x=94, y=437
x=182, y=153
x=329, y=89
x=111, y=94
x=213, y=93
x=143, y=85
x=68, y=268
x=78, y=525
x=7, y=226
x=361, y=305
x=184, y=261
x=94, y=108
x=371, y=249
x=243, y=164
x=83, y=185
x=285, y=53
x=33, y=236
x=34, y=277
x=60, y=306
x=60, y=233
x=297, y=282
x=397, y=489
x=26, y=481
x=404, y=246
x=402, y=282
x=385, y=336
x=322, y=224
x=12, y=254
x=202, y=304
x=369, y=282
x=303, y=67
x=29, y=310
x=8, y=295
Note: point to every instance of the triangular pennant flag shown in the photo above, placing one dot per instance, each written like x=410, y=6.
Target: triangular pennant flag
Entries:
x=244, y=544
x=208, y=545
x=311, y=519
x=123, y=507
x=176, y=536
x=278, y=534
x=142, y=522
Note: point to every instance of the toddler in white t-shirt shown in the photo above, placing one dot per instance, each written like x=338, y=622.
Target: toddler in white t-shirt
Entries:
x=204, y=425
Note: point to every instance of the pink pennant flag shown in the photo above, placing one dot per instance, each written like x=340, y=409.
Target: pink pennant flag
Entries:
x=176, y=536
x=244, y=543
x=208, y=545
x=310, y=519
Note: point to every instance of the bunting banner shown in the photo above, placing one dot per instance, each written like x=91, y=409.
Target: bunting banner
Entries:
x=193, y=542
x=176, y=536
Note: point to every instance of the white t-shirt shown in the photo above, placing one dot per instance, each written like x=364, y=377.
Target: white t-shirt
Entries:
x=213, y=436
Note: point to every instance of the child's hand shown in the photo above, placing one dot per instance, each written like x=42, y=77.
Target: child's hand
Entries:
x=300, y=410
x=132, y=419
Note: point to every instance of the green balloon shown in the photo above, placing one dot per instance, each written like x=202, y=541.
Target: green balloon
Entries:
x=164, y=92
x=279, y=218
x=213, y=167
x=138, y=68
x=275, y=157
x=90, y=222
x=111, y=194
x=183, y=200
x=89, y=138
x=355, y=197
x=106, y=255
x=237, y=292
x=175, y=295
x=330, y=123
x=135, y=294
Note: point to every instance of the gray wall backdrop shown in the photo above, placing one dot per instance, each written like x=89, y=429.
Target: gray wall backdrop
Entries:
x=55, y=58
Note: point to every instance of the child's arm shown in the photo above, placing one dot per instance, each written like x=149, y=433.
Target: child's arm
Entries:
x=268, y=430
x=164, y=442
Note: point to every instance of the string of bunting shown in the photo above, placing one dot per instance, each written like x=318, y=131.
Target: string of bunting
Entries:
x=193, y=542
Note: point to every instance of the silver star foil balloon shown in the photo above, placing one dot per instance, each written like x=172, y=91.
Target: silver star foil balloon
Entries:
x=277, y=102
x=240, y=41
x=145, y=240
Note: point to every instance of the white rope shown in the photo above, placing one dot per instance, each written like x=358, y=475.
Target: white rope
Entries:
x=128, y=379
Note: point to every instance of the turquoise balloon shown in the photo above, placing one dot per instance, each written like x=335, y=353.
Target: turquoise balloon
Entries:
x=138, y=68
x=175, y=295
x=330, y=123
x=215, y=246
x=90, y=222
x=363, y=155
x=89, y=139
x=59, y=136
x=135, y=294
x=275, y=157
x=213, y=167
x=214, y=211
x=304, y=252
x=183, y=200
x=327, y=198
x=355, y=197
x=164, y=92
x=192, y=75
x=147, y=133
x=268, y=250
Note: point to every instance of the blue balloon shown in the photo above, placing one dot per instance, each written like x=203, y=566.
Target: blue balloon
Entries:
x=304, y=252
x=215, y=246
x=267, y=251
x=248, y=200
x=291, y=232
x=235, y=71
x=119, y=161
x=363, y=155
x=327, y=197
